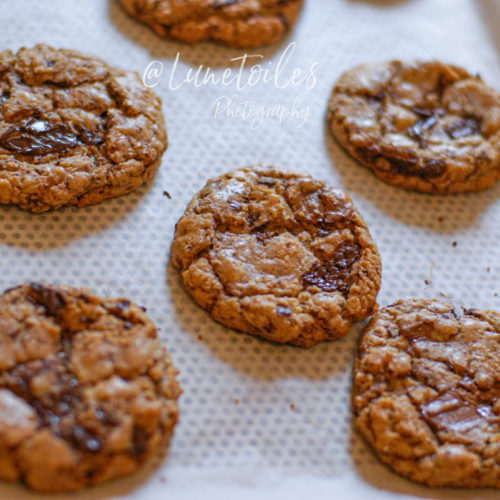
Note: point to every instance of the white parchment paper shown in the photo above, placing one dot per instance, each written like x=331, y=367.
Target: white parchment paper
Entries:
x=258, y=420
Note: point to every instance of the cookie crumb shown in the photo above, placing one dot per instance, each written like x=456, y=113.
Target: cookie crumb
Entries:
x=428, y=282
x=454, y=244
x=292, y=406
x=167, y=194
x=440, y=218
x=236, y=401
x=488, y=269
x=200, y=337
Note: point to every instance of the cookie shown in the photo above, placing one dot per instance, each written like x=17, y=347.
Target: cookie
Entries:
x=236, y=23
x=426, y=387
x=87, y=391
x=279, y=255
x=425, y=126
x=73, y=131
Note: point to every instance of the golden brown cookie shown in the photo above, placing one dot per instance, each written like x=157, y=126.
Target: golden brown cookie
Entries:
x=425, y=126
x=73, y=131
x=426, y=387
x=236, y=23
x=87, y=391
x=279, y=255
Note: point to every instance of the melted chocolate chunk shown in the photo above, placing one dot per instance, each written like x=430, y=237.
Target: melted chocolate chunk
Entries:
x=234, y=205
x=84, y=440
x=90, y=138
x=417, y=130
x=432, y=169
x=425, y=112
x=333, y=275
x=51, y=300
x=36, y=137
x=53, y=406
x=406, y=164
x=403, y=163
x=456, y=412
x=220, y=4
x=463, y=128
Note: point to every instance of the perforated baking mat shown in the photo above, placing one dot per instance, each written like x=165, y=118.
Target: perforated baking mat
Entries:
x=258, y=420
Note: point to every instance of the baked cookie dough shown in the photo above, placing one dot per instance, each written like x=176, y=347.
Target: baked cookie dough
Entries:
x=279, y=255
x=87, y=391
x=73, y=131
x=425, y=126
x=426, y=387
x=236, y=23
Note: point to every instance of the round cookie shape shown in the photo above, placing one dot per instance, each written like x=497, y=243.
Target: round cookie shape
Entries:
x=73, y=131
x=426, y=389
x=235, y=23
x=279, y=255
x=423, y=126
x=87, y=391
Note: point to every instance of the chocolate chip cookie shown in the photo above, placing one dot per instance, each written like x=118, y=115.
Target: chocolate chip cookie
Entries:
x=426, y=392
x=236, y=23
x=279, y=255
x=73, y=131
x=425, y=126
x=87, y=391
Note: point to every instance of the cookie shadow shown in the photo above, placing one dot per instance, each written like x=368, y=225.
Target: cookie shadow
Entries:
x=490, y=13
x=208, y=54
x=255, y=357
x=444, y=214
x=58, y=228
x=372, y=471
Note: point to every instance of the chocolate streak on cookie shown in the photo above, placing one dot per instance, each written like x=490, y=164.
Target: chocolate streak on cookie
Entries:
x=402, y=162
x=36, y=137
x=333, y=275
x=52, y=410
x=51, y=300
x=463, y=128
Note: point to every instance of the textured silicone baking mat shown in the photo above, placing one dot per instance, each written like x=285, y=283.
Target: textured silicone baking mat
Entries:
x=259, y=420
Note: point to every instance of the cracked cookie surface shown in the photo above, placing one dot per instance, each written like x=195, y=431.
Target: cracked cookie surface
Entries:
x=73, y=131
x=279, y=255
x=236, y=23
x=426, y=387
x=87, y=391
x=425, y=126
